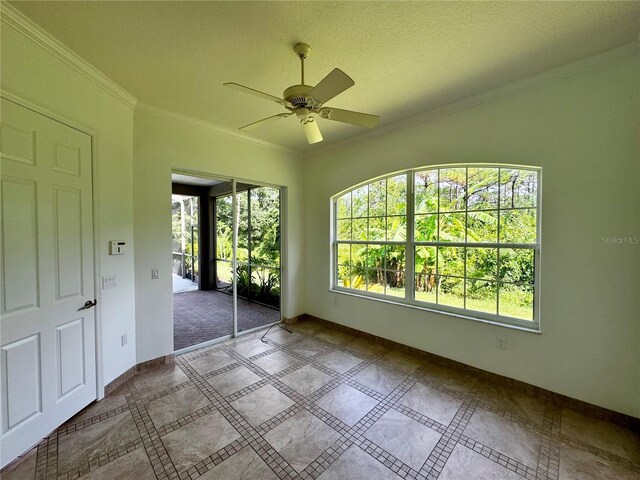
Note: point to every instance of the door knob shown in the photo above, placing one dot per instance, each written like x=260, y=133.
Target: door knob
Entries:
x=88, y=304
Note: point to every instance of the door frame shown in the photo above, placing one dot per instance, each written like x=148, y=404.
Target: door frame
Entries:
x=28, y=104
x=284, y=292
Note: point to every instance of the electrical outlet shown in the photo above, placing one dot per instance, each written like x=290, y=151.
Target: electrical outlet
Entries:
x=155, y=274
x=502, y=343
x=123, y=340
x=109, y=281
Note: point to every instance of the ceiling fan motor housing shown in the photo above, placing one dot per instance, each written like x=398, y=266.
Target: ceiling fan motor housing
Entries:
x=297, y=96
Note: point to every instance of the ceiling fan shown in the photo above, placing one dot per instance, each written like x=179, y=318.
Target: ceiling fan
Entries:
x=306, y=101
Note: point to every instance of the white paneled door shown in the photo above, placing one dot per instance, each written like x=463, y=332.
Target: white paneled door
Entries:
x=47, y=338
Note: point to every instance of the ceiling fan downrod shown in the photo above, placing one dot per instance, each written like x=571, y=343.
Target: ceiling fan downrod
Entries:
x=303, y=50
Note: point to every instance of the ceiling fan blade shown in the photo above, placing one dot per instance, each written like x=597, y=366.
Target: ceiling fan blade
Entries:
x=333, y=84
x=259, y=123
x=347, y=116
x=254, y=92
x=311, y=130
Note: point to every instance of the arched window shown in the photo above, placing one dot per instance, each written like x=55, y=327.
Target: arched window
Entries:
x=458, y=239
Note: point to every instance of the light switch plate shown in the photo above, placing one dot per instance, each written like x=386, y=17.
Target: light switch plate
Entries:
x=109, y=281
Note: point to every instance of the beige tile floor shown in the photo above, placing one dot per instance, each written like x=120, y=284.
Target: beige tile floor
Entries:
x=320, y=403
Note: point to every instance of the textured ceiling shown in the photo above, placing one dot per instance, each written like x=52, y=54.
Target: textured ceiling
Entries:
x=405, y=57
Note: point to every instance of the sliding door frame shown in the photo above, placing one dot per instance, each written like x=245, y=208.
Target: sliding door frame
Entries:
x=283, y=248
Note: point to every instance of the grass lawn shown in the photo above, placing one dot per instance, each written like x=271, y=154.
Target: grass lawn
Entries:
x=508, y=307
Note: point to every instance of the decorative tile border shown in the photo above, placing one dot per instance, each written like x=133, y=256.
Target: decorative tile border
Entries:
x=498, y=457
x=549, y=456
x=532, y=390
x=281, y=417
x=186, y=420
x=160, y=462
x=148, y=398
x=252, y=437
x=215, y=373
x=604, y=454
x=65, y=430
x=214, y=459
x=100, y=461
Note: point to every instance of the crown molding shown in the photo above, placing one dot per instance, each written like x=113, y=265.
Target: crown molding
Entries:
x=12, y=17
x=211, y=127
x=507, y=90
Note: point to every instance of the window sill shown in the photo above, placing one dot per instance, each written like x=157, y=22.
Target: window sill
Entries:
x=535, y=327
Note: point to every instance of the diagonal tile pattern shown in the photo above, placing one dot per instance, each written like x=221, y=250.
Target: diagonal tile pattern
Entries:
x=467, y=464
x=600, y=434
x=199, y=439
x=512, y=439
x=355, y=464
x=347, y=404
x=233, y=380
x=380, y=378
x=89, y=443
x=276, y=362
x=243, y=465
x=214, y=360
x=306, y=380
x=319, y=403
x=133, y=465
x=176, y=405
x=301, y=439
x=261, y=405
x=431, y=403
x=403, y=437
x=339, y=361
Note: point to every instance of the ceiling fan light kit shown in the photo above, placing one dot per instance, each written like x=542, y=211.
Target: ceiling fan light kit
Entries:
x=306, y=101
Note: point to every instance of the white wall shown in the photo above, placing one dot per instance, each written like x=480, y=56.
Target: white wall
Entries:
x=162, y=144
x=583, y=130
x=31, y=72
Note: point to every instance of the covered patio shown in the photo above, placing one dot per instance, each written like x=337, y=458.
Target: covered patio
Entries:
x=200, y=316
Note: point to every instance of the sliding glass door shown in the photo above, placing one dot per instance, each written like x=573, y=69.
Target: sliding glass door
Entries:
x=258, y=257
x=247, y=252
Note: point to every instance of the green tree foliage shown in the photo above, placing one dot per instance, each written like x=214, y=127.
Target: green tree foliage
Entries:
x=224, y=228
x=458, y=205
x=258, y=241
x=189, y=235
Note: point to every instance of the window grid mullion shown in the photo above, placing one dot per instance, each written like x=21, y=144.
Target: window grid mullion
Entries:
x=410, y=244
x=336, y=242
x=351, y=237
x=409, y=269
x=498, y=284
x=438, y=278
x=466, y=229
x=526, y=246
x=366, y=248
x=386, y=234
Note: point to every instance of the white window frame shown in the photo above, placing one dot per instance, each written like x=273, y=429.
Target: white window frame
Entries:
x=408, y=300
